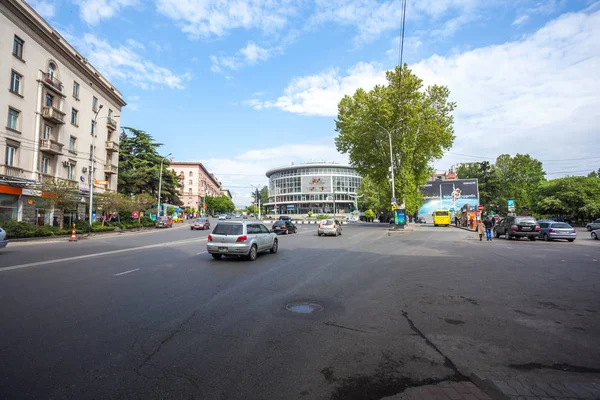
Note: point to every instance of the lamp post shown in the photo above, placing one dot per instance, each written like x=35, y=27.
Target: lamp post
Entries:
x=257, y=198
x=391, y=159
x=92, y=161
x=160, y=185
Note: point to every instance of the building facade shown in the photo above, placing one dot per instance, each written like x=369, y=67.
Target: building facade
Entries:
x=195, y=183
x=317, y=187
x=58, y=111
x=226, y=192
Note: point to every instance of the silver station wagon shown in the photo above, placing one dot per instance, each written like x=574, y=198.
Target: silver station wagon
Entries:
x=241, y=238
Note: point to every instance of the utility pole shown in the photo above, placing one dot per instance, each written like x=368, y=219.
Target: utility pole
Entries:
x=92, y=161
x=160, y=186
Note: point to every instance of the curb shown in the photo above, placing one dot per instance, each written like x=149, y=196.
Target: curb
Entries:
x=488, y=387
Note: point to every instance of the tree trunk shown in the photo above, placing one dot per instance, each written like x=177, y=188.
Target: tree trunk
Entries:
x=61, y=222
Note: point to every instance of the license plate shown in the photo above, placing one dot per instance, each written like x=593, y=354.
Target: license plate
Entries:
x=526, y=228
x=222, y=249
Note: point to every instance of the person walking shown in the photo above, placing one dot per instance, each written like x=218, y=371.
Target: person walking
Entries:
x=480, y=229
x=489, y=224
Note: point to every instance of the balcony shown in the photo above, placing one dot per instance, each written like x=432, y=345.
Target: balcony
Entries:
x=110, y=169
x=111, y=124
x=53, y=114
x=13, y=172
x=50, y=146
x=111, y=146
x=52, y=83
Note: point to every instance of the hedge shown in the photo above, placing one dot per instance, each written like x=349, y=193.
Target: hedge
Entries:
x=15, y=230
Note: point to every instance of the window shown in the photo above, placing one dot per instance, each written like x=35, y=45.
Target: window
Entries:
x=110, y=114
x=15, y=82
x=47, y=132
x=191, y=174
x=190, y=191
x=11, y=156
x=51, y=70
x=13, y=119
x=70, y=171
x=18, y=47
x=95, y=103
x=93, y=126
x=45, y=165
x=74, y=113
x=73, y=144
x=49, y=100
x=229, y=229
x=76, y=90
x=191, y=182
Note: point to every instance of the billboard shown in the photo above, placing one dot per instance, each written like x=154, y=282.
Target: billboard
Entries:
x=316, y=184
x=449, y=195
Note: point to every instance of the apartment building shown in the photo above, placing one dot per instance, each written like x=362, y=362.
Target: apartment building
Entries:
x=56, y=110
x=195, y=183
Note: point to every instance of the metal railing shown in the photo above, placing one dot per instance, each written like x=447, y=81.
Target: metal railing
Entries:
x=9, y=170
x=111, y=123
x=111, y=146
x=52, y=81
x=51, y=146
x=54, y=114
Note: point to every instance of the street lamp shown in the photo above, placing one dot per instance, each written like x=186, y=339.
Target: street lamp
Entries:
x=391, y=159
x=160, y=185
x=92, y=161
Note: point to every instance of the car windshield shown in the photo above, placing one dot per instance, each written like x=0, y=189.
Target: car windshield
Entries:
x=441, y=213
x=327, y=222
x=527, y=220
x=162, y=219
x=228, y=229
x=199, y=220
x=561, y=225
x=279, y=223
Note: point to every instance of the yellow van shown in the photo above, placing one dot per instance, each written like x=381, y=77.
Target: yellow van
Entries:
x=441, y=217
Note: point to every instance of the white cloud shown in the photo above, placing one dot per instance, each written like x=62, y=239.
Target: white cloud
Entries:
x=520, y=20
x=319, y=94
x=372, y=17
x=205, y=18
x=124, y=63
x=135, y=44
x=43, y=7
x=247, y=55
x=536, y=95
x=244, y=170
x=93, y=11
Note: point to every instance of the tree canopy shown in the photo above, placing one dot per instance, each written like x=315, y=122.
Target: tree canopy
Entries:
x=219, y=204
x=139, y=167
x=573, y=196
x=419, y=121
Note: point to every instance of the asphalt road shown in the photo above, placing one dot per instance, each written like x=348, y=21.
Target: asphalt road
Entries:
x=152, y=316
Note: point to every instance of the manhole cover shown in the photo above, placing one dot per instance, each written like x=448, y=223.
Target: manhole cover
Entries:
x=304, y=307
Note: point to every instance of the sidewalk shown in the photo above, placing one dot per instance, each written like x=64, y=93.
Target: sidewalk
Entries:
x=443, y=391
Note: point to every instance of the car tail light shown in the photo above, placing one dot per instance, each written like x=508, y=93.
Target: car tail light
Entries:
x=210, y=238
x=333, y=226
x=273, y=227
x=514, y=228
x=242, y=238
x=284, y=227
x=318, y=225
x=574, y=230
x=551, y=230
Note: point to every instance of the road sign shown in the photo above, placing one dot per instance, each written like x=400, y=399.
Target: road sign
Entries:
x=135, y=215
x=480, y=208
x=511, y=205
x=97, y=182
x=394, y=207
x=393, y=200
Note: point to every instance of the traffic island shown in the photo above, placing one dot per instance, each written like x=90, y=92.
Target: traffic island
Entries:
x=407, y=228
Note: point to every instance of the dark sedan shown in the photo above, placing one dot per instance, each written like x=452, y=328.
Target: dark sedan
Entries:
x=284, y=227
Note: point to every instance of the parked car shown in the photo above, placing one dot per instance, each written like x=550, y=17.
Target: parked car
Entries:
x=244, y=217
x=596, y=234
x=329, y=227
x=3, y=239
x=593, y=225
x=200, y=223
x=241, y=238
x=228, y=216
x=285, y=218
x=550, y=230
x=517, y=227
x=420, y=220
x=352, y=219
x=164, y=222
x=222, y=217
x=284, y=227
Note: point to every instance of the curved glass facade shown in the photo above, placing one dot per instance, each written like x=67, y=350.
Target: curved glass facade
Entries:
x=317, y=188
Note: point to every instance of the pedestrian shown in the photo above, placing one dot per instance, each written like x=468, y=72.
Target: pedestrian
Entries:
x=55, y=221
x=480, y=229
x=471, y=222
x=489, y=224
x=456, y=220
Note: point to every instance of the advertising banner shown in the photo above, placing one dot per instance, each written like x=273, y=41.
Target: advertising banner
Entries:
x=450, y=195
x=316, y=184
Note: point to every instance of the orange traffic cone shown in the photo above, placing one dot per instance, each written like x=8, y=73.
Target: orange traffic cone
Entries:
x=73, y=235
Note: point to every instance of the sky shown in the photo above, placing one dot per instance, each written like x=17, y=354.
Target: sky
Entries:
x=248, y=85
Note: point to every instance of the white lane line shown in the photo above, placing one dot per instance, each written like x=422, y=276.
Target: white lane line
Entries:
x=104, y=253
x=203, y=252
x=127, y=272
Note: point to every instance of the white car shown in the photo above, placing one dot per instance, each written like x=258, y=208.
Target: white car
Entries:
x=352, y=219
x=593, y=226
x=3, y=239
x=222, y=217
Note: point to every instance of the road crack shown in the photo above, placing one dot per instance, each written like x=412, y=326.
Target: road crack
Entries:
x=344, y=327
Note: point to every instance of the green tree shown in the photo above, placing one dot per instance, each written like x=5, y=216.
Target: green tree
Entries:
x=489, y=183
x=113, y=202
x=143, y=202
x=63, y=195
x=369, y=215
x=421, y=125
x=575, y=197
x=519, y=176
x=139, y=167
x=220, y=204
x=170, y=210
x=252, y=209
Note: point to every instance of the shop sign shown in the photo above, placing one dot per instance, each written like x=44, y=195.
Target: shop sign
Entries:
x=32, y=192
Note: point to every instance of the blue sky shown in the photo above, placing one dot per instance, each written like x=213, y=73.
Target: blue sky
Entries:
x=244, y=86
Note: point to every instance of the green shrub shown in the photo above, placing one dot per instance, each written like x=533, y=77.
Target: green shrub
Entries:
x=322, y=216
x=310, y=213
x=105, y=228
x=82, y=226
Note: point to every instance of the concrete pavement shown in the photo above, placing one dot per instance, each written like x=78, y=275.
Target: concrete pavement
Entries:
x=152, y=316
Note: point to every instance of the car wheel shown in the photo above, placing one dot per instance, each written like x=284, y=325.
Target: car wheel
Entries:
x=594, y=236
x=217, y=256
x=253, y=253
x=546, y=237
x=571, y=240
x=496, y=234
x=507, y=235
x=336, y=233
x=589, y=228
x=286, y=232
x=274, y=247
x=191, y=228
x=532, y=238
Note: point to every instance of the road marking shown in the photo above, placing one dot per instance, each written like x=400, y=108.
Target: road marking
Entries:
x=104, y=253
x=203, y=252
x=127, y=272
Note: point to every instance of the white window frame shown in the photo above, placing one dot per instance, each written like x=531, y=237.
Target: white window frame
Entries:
x=76, y=112
x=11, y=155
x=95, y=104
x=73, y=144
x=13, y=116
x=16, y=80
x=76, y=90
x=21, y=44
x=45, y=165
x=71, y=171
x=47, y=132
